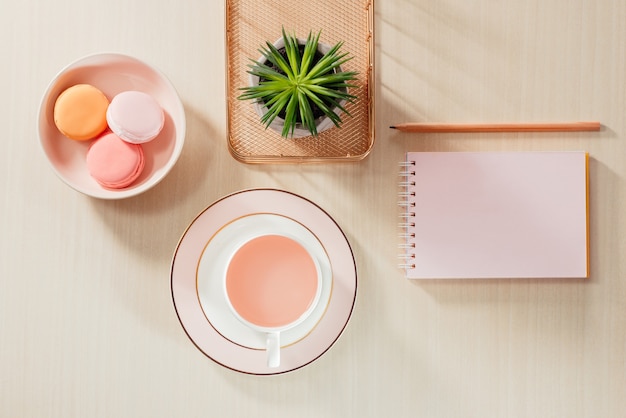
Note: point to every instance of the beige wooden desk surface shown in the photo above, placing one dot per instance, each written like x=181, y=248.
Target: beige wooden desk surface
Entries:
x=87, y=326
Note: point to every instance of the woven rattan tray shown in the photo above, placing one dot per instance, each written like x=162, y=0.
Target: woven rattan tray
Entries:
x=249, y=23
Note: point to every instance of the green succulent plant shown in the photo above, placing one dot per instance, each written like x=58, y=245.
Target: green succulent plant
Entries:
x=297, y=82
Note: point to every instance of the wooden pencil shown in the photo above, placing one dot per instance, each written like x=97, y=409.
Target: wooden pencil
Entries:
x=497, y=127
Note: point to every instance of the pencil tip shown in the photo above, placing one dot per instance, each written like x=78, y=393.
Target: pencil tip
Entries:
x=392, y=127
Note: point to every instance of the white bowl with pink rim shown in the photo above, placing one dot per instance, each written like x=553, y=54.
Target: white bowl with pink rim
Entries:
x=112, y=74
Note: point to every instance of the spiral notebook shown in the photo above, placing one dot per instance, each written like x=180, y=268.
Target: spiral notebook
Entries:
x=495, y=215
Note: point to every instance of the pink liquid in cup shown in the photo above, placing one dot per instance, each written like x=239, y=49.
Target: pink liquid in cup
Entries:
x=272, y=281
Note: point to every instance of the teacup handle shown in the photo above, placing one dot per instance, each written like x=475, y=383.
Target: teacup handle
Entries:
x=272, y=342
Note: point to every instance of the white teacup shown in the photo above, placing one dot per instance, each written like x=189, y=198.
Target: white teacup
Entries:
x=272, y=284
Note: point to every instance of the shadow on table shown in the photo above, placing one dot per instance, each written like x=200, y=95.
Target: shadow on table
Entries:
x=149, y=226
x=142, y=223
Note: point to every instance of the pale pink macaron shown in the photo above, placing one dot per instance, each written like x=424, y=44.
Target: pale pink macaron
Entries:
x=134, y=116
x=115, y=163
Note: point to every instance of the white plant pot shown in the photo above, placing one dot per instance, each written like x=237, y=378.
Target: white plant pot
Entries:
x=322, y=123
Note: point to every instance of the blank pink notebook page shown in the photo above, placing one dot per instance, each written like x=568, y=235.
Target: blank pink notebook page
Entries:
x=498, y=215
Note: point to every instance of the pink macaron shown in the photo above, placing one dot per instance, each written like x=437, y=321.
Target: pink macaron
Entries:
x=134, y=116
x=114, y=163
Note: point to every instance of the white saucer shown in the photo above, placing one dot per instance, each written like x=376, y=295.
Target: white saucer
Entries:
x=214, y=262
x=186, y=264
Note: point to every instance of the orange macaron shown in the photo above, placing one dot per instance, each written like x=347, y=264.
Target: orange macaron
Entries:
x=80, y=112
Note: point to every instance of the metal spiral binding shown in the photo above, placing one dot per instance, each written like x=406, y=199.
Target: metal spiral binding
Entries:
x=405, y=200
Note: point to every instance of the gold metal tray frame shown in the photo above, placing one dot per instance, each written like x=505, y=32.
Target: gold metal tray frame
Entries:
x=249, y=24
